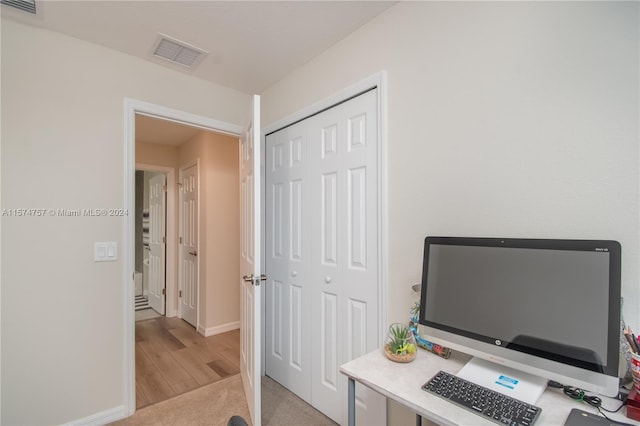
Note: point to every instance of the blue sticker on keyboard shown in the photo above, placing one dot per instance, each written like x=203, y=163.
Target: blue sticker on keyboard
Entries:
x=507, y=382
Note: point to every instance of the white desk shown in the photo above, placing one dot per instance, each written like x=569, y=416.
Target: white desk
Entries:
x=402, y=383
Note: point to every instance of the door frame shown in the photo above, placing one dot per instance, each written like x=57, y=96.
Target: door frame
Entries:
x=379, y=81
x=131, y=107
x=193, y=163
x=170, y=229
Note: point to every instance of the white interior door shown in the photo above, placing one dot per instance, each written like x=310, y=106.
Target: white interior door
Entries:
x=359, y=238
x=188, y=285
x=322, y=251
x=327, y=207
x=250, y=273
x=288, y=257
x=157, y=234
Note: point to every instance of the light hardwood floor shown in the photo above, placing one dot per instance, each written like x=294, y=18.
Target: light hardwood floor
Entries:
x=172, y=358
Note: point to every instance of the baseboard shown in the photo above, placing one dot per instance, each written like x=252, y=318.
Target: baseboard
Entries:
x=101, y=418
x=211, y=331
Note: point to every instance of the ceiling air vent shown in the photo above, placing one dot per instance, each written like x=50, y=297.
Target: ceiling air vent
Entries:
x=178, y=51
x=26, y=5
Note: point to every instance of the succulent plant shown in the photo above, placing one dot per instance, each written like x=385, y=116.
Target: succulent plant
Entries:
x=401, y=340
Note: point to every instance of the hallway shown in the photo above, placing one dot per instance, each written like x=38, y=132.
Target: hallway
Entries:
x=172, y=358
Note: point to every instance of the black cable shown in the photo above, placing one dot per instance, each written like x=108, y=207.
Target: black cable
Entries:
x=581, y=395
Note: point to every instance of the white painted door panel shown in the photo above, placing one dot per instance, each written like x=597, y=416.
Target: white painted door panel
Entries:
x=288, y=292
x=339, y=187
x=327, y=206
x=188, y=299
x=250, y=274
x=360, y=296
x=157, y=253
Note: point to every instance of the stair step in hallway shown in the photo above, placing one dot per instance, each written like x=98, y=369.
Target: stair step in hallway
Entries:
x=142, y=302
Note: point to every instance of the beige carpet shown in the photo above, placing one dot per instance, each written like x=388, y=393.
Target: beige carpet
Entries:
x=211, y=405
x=280, y=407
x=214, y=404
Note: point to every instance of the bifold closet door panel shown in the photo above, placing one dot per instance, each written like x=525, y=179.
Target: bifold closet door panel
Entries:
x=360, y=239
x=360, y=236
x=327, y=135
x=288, y=290
x=322, y=295
x=344, y=181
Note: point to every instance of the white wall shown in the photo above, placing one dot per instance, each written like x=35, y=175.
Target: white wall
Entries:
x=514, y=119
x=63, y=147
x=219, y=232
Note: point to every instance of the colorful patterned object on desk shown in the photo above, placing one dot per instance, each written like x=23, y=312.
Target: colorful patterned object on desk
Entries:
x=442, y=351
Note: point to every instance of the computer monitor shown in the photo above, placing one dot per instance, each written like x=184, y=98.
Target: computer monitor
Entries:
x=547, y=308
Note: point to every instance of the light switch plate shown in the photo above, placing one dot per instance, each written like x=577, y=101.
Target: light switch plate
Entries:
x=105, y=251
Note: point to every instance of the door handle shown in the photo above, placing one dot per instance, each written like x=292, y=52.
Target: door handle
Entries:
x=253, y=279
x=193, y=253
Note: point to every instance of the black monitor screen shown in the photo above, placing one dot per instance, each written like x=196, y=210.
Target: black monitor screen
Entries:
x=549, y=298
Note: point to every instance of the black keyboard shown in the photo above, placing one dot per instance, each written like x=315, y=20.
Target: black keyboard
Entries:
x=492, y=405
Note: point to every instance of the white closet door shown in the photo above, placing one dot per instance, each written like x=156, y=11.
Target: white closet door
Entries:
x=322, y=255
x=327, y=209
x=360, y=296
x=288, y=293
x=345, y=253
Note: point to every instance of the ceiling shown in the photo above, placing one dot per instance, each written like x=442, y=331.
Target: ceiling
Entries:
x=163, y=132
x=251, y=44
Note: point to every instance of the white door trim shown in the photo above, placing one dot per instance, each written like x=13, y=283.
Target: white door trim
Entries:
x=199, y=327
x=170, y=282
x=378, y=80
x=131, y=107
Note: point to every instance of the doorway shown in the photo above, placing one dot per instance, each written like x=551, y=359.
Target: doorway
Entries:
x=186, y=356
x=150, y=243
x=188, y=294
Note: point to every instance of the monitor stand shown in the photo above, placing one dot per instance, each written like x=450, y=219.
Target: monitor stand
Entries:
x=508, y=381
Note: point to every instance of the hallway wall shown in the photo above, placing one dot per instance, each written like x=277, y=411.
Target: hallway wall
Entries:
x=219, y=230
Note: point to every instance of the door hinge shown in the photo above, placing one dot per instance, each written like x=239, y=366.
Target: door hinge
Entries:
x=180, y=293
x=164, y=291
x=163, y=240
x=180, y=240
x=133, y=276
x=164, y=188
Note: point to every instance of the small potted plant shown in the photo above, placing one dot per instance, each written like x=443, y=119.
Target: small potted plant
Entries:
x=401, y=344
